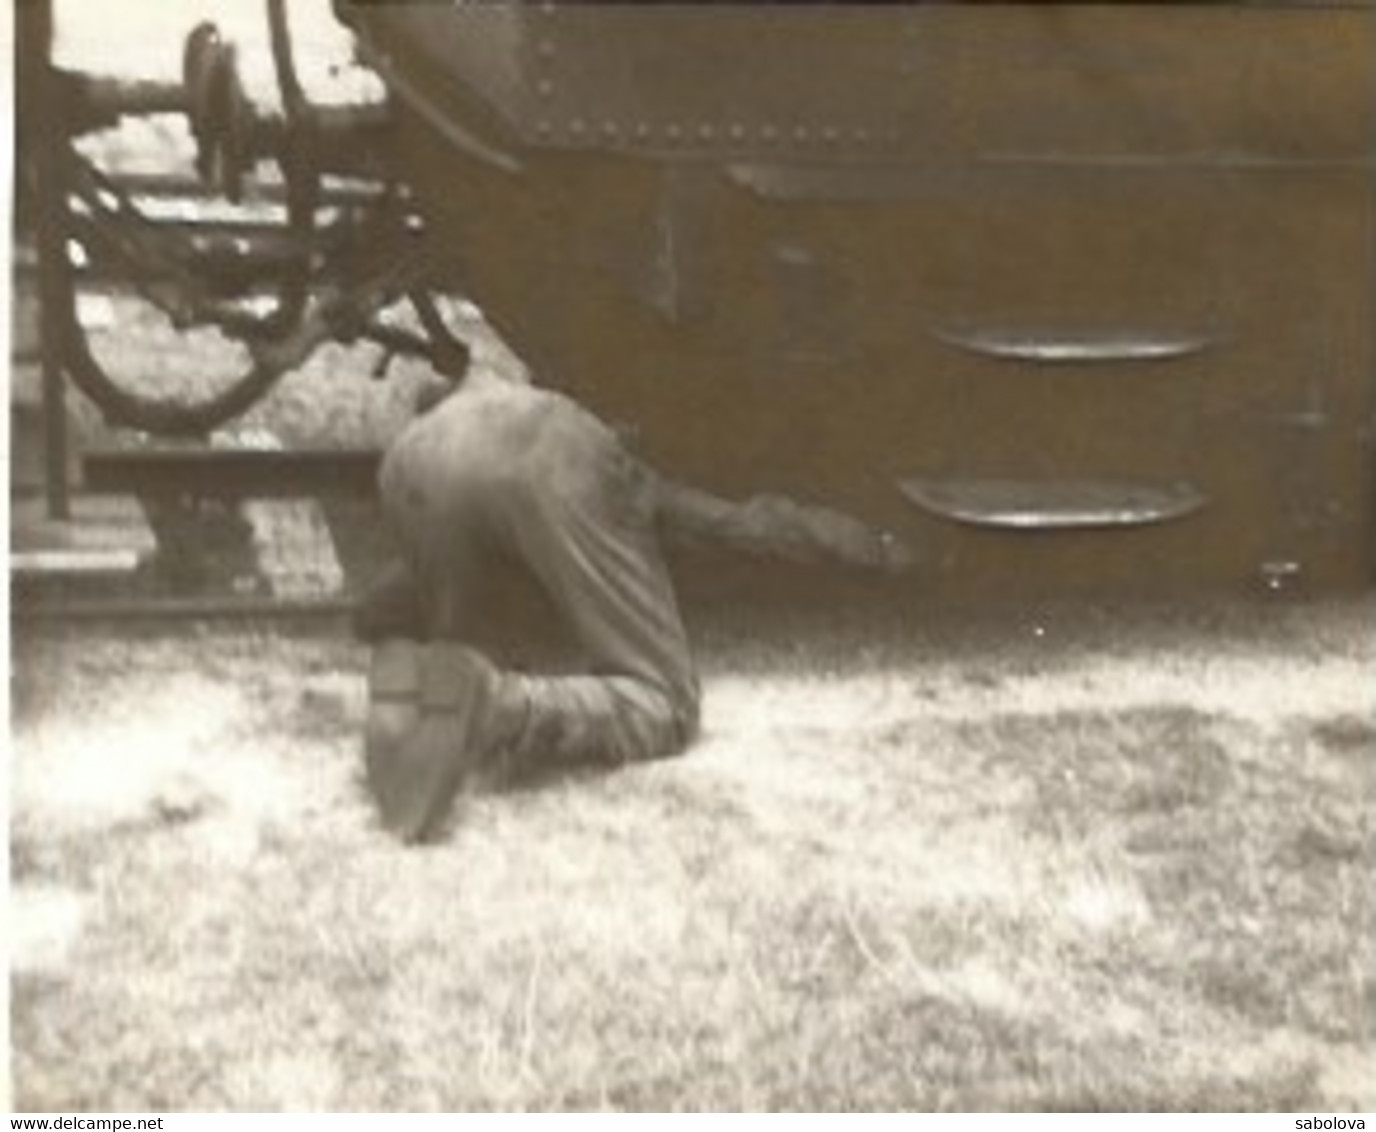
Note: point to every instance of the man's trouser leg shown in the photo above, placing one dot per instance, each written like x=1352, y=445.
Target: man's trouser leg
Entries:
x=553, y=488
x=589, y=538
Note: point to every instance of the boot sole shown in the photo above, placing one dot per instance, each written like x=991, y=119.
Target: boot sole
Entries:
x=417, y=779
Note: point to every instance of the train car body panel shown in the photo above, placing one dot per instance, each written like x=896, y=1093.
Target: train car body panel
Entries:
x=1015, y=279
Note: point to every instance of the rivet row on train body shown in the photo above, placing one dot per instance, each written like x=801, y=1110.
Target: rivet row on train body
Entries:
x=676, y=133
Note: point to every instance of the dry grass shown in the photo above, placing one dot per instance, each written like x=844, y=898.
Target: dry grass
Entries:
x=1050, y=862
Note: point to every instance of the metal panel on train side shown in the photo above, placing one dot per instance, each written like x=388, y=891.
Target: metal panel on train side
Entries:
x=915, y=259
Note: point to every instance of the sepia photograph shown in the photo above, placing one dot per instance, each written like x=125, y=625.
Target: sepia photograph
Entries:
x=714, y=556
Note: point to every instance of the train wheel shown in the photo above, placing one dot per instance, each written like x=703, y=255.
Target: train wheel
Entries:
x=157, y=311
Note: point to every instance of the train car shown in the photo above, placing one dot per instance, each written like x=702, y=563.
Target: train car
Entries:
x=1074, y=294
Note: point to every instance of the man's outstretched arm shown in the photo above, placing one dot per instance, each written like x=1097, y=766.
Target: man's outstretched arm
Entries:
x=777, y=526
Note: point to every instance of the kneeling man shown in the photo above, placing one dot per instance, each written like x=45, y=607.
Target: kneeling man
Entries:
x=499, y=471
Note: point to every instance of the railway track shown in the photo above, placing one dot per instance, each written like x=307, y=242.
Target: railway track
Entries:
x=266, y=535
x=189, y=496
x=117, y=610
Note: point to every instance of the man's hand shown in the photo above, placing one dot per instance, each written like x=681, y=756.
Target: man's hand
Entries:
x=840, y=537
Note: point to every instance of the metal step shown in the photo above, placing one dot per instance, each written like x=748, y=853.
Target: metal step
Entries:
x=1053, y=504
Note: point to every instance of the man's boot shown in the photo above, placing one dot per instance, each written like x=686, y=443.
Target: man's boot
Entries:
x=441, y=714
x=393, y=706
x=436, y=718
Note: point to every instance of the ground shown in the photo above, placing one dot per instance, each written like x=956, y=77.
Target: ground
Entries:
x=1058, y=858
